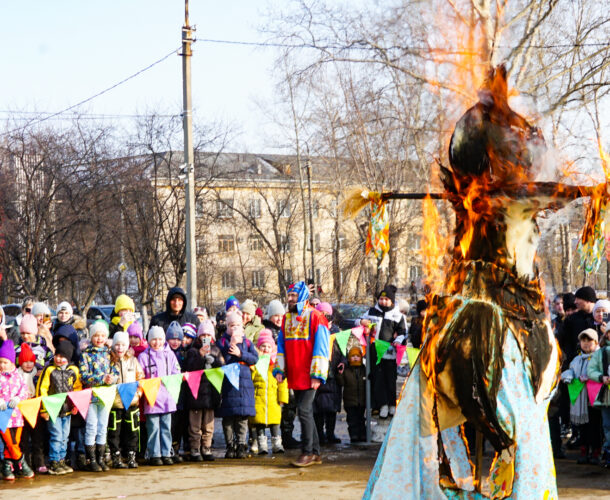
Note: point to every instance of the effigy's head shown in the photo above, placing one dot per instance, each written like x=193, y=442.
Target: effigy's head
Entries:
x=491, y=143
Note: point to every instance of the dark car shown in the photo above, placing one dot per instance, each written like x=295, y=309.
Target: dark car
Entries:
x=99, y=312
x=346, y=315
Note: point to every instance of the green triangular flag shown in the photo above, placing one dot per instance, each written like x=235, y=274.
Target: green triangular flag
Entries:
x=53, y=404
x=105, y=394
x=412, y=353
x=215, y=376
x=262, y=366
x=173, y=383
x=341, y=339
x=574, y=389
x=381, y=346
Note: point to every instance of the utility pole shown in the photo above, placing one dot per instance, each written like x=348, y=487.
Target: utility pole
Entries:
x=189, y=161
x=311, y=233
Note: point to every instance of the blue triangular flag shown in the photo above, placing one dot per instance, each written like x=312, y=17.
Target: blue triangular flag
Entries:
x=232, y=373
x=127, y=392
x=5, y=416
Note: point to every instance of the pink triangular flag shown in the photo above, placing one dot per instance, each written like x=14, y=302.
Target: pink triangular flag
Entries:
x=400, y=352
x=193, y=379
x=81, y=400
x=593, y=389
x=358, y=332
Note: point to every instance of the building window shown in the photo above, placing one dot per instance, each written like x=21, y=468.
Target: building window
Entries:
x=318, y=276
x=316, y=238
x=283, y=208
x=258, y=279
x=285, y=243
x=315, y=208
x=228, y=279
x=288, y=276
x=224, y=208
x=226, y=243
x=200, y=243
x=254, y=208
x=341, y=242
x=414, y=272
x=414, y=242
x=333, y=208
x=255, y=243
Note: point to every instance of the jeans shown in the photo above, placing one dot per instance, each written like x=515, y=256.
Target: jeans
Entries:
x=159, y=428
x=309, y=434
x=59, y=434
x=96, y=424
x=606, y=426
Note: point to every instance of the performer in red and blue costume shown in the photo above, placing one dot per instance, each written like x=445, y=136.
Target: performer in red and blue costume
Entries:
x=302, y=357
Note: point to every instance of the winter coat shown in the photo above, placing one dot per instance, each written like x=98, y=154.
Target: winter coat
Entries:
x=12, y=386
x=252, y=329
x=163, y=319
x=579, y=410
x=95, y=364
x=598, y=368
x=328, y=395
x=158, y=364
x=389, y=325
x=353, y=380
x=207, y=397
x=238, y=402
x=129, y=370
x=567, y=336
x=30, y=379
x=275, y=330
x=180, y=354
x=415, y=331
x=42, y=352
x=267, y=398
x=55, y=380
x=79, y=324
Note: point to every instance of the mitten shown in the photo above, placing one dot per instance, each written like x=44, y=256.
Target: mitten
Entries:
x=12, y=403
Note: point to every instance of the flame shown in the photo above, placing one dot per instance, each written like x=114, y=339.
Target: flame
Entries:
x=605, y=158
x=434, y=246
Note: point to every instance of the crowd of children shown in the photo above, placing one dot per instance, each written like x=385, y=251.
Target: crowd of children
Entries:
x=117, y=435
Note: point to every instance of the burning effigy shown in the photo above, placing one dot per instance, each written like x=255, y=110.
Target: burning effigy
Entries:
x=489, y=356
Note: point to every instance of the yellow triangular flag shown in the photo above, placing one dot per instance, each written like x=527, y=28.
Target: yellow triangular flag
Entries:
x=29, y=408
x=151, y=386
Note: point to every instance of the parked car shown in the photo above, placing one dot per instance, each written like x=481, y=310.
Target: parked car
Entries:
x=346, y=315
x=99, y=312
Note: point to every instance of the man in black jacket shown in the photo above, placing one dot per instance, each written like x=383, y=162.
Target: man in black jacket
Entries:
x=175, y=310
x=576, y=323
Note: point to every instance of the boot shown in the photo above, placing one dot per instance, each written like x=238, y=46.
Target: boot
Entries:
x=92, y=464
x=176, y=456
x=65, y=467
x=276, y=444
x=254, y=446
x=131, y=460
x=7, y=470
x=101, y=456
x=242, y=451
x=81, y=461
x=231, y=452
x=196, y=456
x=117, y=463
x=262, y=445
x=595, y=457
x=207, y=454
x=290, y=443
x=583, y=458
x=55, y=469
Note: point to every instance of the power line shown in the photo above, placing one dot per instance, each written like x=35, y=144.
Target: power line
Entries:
x=364, y=46
x=88, y=99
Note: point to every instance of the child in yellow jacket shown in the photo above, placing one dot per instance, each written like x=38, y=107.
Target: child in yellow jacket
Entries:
x=269, y=396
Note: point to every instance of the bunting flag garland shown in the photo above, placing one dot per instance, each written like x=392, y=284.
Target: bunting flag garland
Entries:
x=232, y=373
x=341, y=338
x=150, y=386
x=173, y=383
x=127, y=392
x=358, y=332
x=52, y=404
x=105, y=394
x=593, y=389
x=400, y=352
x=574, y=389
x=262, y=366
x=412, y=353
x=81, y=400
x=193, y=379
x=381, y=346
x=5, y=416
x=215, y=376
x=29, y=409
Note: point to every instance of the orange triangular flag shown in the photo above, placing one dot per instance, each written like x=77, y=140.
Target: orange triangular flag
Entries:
x=29, y=408
x=151, y=386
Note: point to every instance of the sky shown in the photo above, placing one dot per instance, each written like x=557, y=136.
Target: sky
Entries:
x=54, y=54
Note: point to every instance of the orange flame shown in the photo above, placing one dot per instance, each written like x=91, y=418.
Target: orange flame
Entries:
x=434, y=248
